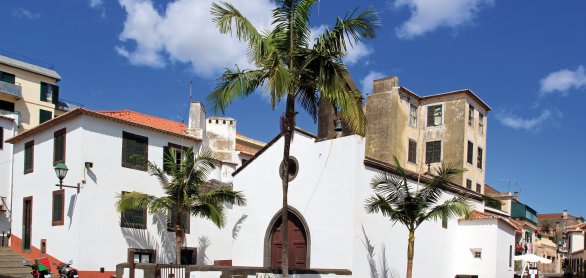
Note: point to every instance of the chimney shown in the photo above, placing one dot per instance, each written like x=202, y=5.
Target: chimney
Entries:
x=385, y=84
x=382, y=130
x=565, y=214
x=196, y=125
x=221, y=135
x=516, y=195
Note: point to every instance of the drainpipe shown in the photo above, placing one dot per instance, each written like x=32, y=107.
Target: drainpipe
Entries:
x=15, y=126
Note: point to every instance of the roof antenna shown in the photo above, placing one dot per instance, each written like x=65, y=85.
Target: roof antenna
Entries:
x=190, y=85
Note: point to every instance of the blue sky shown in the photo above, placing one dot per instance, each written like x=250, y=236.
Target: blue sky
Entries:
x=524, y=58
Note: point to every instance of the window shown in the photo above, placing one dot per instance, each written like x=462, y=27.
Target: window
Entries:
x=412, y=155
x=469, y=184
x=7, y=106
x=133, y=218
x=479, y=158
x=444, y=222
x=293, y=168
x=49, y=93
x=433, y=151
x=478, y=254
x=188, y=255
x=7, y=77
x=168, y=152
x=1, y=138
x=412, y=115
x=58, y=207
x=59, y=146
x=29, y=156
x=510, y=255
x=480, y=123
x=141, y=255
x=434, y=115
x=172, y=219
x=470, y=154
x=44, y=116
x=478, y=188
x=470, y=115
x=134, y=151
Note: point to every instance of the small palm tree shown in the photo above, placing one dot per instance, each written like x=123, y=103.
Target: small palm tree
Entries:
x=398, y=201
x=290, y=67
x=187, y=192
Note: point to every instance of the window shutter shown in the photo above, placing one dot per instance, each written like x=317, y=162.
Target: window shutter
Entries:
x=167, y=159
x=428, y=152
x=1, y=138
x=44, y=90
x=470, y=152
x=430, y=116
x=55, y=94
x=437, y=151
x=7, y=77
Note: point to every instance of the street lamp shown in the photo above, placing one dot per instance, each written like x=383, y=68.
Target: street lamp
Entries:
x=61, y=172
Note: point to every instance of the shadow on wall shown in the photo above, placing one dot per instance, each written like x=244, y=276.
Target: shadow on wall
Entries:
x=143, y=239
x=71, y=208
x=384, y=271
x=203, y=244
x=238, y=226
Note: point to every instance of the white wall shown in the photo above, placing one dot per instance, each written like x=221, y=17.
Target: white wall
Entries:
x=91, y=220
x=577, y=242
x=9, y=128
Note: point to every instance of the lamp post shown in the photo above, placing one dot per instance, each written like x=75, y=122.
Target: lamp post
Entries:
x=61, y=171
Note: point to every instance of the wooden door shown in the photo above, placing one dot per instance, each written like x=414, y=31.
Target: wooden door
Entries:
x=297, y=244
x=27, y=221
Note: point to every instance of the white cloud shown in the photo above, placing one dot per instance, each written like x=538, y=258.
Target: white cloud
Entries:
x=563, y=80
x=96, y=3
x=26, y=14
x=355, y=51
x=184, y=32
x=532, y=124
x=366, y=81
x=428, y=15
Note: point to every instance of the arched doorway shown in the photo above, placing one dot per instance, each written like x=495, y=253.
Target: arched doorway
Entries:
x=299, y=242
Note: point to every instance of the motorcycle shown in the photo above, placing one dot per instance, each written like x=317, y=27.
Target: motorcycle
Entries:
x=66, y=271
x=40, y=268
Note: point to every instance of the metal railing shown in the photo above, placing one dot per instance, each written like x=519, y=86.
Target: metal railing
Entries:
x=171, y=271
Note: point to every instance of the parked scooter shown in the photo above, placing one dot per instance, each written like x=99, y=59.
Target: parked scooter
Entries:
x=40, y=269
x=66, y=271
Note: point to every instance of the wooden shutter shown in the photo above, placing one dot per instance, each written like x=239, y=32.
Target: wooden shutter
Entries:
x=29, y=156
x=44, y=91
x=479, y=159
x=470, y=154
x=412, y=154
x=1, y=138
x=167, y=158
x=7, y=77
x=469, y=184
x=430, y=117
x=55, y=94
x=58, y=207
x=59, y=146
x=437, y=151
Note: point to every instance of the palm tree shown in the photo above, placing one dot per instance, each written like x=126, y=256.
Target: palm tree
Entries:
x=292, y=68
x=187, y=192
x=410, y=206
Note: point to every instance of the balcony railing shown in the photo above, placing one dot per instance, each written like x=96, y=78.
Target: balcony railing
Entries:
x=11, y=89
x=493, y=203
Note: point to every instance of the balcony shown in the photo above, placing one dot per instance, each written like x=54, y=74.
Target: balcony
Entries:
x=11, y=89
x=493, y=203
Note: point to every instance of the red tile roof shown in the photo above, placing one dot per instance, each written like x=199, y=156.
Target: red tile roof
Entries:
x=474, y=214
x=244, y=149
x=147, y=120
x=576, y=227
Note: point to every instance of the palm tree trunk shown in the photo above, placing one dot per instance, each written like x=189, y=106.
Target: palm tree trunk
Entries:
x=288, y=127
x=410, y=253
x=178, y=237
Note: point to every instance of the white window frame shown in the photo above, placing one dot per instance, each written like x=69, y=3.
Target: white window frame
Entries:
x=481, y=120
x=414, y=124
x=443, y=113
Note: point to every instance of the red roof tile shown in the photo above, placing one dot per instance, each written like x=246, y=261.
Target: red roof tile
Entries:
x=474, y=214
x=244, y=149
x=147, y=120
x=555, y=216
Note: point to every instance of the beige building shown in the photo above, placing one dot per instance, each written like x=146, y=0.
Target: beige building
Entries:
x=30, y=91
x=425, y=131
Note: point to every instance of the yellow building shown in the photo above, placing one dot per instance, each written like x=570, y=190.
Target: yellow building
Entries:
x=29, y=91
x=425, y=131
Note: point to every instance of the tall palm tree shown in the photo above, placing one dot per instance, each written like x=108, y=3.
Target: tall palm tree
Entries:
x=292, y=68
x=400, y=202
x=187, y=192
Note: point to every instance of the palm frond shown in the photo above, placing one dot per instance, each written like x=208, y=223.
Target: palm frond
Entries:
x=225, y=195
x=454, y=207
x=351, y=29
x=136, y=200
x=235, y=84
x=209, y=210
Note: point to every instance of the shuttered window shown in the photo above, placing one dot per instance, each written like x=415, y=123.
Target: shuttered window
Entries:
x=469, y=184
x=7, y=77
x=1, y=138
x=58, y=207
x=49, y=93
x=470, y=154
x=434, y=115
x=480, y=123
x=433, y=151
x=7, y=106
x=412, y=115
x=478, y=188
x=479, y=158
x=133, y=218
x=168, y=151
x=412, y=155
x=29, y=155
x=134, y=151
x=44, y=116
x=59, y=146
x=470, y=115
